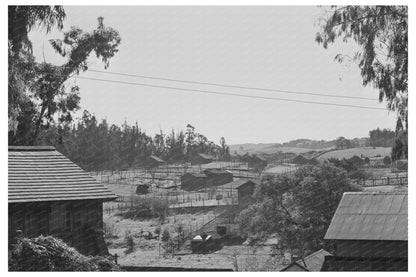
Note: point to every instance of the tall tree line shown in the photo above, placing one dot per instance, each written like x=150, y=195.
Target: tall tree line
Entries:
x=98, y=145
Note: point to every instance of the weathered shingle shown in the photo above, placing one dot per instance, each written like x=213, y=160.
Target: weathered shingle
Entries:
x=43, y=174
x=370, y=216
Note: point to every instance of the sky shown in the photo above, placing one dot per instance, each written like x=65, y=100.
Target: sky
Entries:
x=270, y=47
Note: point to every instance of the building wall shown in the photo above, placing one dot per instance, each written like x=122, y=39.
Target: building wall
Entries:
x=191, y=183
x=76, y=222
x=360, y=248
x=245, y=193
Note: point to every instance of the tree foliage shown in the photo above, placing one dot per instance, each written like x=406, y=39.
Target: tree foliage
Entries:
x=381, y=33
x=298, y=208
x=95, y=145
x=38, y=92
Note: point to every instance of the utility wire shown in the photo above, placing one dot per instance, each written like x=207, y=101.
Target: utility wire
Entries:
x=232, y=86
x=229, y=94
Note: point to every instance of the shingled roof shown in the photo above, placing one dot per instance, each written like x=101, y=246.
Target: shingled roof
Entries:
x=40, y=173
x=370, y=216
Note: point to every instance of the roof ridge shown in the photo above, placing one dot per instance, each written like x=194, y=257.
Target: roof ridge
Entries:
x=31, y=148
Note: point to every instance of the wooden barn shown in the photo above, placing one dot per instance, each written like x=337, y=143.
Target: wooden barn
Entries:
x=300, y=159
x=312, y=262
x=369, y=226
x=50, y=195
x=153, y=161
x=244, y=189
x=194, y=181
x=202, y=159
x=257, y=162
x=217, y=177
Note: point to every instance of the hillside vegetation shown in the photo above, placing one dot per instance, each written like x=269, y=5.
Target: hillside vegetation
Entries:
x=365, y=151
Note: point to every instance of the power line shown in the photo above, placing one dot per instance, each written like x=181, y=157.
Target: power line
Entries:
x=230, y=94
x=232, y=86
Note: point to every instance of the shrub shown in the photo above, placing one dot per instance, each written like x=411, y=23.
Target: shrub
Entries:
x=129, y=240
x=52, y=254
x=165, y=235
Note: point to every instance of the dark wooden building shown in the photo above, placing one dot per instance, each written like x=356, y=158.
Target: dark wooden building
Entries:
x=370, y=226
x=202, y=159
x=50, y=195
x=193, y=181
x=257, y=162
x=300, y=159
x=218, y=177
x=244, y=189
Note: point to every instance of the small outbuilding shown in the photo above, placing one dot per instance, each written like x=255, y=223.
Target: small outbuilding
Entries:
x=300, y=159
x=194, y=181
x=202, y=159
x=244, y=189
x=217, y=177
x=256, y=161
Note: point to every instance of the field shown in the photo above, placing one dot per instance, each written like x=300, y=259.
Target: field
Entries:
x=348, y=153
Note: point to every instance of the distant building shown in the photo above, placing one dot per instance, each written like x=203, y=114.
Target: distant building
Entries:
x=50, y=195
x=194, y=181
x=217, y=177
x=300, y=159
x=257, y=162
x=369, y=226
x=244, y=189
x=206, y=242
x=313, y=262
x=202, y=159
x=153, y=161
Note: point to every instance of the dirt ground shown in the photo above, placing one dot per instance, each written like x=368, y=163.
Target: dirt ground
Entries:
x=149, y=253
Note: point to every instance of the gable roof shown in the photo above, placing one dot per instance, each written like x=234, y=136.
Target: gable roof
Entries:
x=370, y=216
x=237, y=183
x=156, y=159
x=206, y=156
x=40, y=173
x=196, y=175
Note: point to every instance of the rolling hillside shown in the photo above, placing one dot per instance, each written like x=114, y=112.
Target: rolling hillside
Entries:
x=348, y=153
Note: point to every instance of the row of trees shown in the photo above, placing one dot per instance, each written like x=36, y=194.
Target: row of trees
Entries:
x=97, y=145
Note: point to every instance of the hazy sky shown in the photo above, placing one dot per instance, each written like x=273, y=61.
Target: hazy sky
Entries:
x=269, y=47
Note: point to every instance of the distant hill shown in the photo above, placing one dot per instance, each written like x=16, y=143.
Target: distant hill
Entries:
x=365, y=151
x=297, y=146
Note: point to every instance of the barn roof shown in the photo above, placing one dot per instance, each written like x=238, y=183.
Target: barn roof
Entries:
x=156, y=159
x=370, y=216
x=206, y=157
x=197, y=175
x=313, y=262
x=40, y=173
x=237, y=183
x=216, y=171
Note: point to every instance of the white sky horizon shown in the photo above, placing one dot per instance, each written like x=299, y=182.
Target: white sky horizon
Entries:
x=269, y=47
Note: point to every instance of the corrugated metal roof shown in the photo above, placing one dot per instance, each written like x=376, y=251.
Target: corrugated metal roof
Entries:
x=43, y=174
x=370, y=216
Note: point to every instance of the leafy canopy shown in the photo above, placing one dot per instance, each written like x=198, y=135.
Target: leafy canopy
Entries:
x=298, y=207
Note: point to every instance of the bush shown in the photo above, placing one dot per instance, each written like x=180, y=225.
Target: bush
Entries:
x=146, y=208
x=165, y=235
x=52, y=254
x=128, y=238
